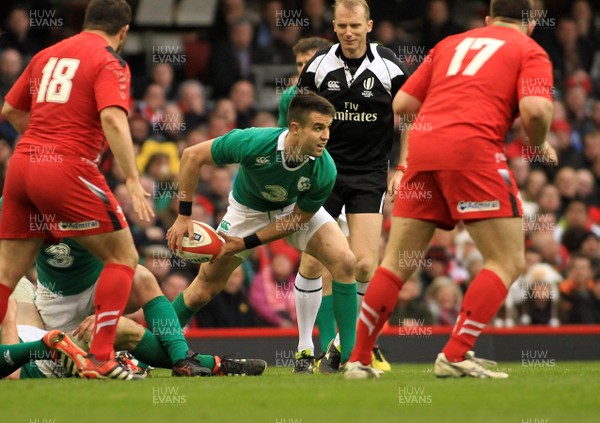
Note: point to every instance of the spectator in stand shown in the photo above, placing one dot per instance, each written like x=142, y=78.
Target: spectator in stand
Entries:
x=567, y=51
x=268, y=29
x=548, y=247
x=172, y=125
x=151, y=108
x=385, y=34
x=566, y=183
x=11, y=65
x=549, y=200
x=443, y=298
x=19, y=35
x=242, y=96
x=156, y=258
x=591, y=149
x=578, y=305
x=590, y=247
x=567, y=153
x=577, y=102
x=192, y=102
x=219, y=184
x=230, y=308
x=436, y=264
x=539, y=295
x=272, y=289
x=582, y=13
x=535, y=181
x=264, y=120
x=140, y=131
x=174, y=283
x=319, y=24
x=225, y=108
x=164, y=75
x=438, y=24
x=232, y=59
x=586, y=188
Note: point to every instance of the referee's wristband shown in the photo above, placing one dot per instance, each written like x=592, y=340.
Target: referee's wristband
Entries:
x=401, y=168
x=252, y=241
x=185, y=208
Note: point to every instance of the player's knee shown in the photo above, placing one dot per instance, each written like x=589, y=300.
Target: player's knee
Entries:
x=310, y=267
x=518, y=266
x=365, y=267
x=343, y=265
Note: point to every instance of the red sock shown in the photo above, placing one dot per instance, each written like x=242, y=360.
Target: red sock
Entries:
x=112, y=293
x=482, y=300
x=379, y=302
x=5, y=292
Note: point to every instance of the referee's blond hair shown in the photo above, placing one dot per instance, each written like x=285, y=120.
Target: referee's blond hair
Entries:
x=351, y=4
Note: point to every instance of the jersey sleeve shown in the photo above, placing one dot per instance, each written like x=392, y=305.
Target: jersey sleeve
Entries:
x=398, y=71
x=231, y=147
x=536, y=77
x=324, y=180
x=418, y=83
x=20, y=94
x=112, y=85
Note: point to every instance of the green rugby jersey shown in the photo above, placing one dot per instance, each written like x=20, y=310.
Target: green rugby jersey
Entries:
x=264, y=182
x=66, y=268
x=284, y=105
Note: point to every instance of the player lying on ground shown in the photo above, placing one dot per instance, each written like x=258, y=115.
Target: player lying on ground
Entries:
x=464, y=97
x=26, y=325
x=284, y=178
x=67, y=280
x=69, y=102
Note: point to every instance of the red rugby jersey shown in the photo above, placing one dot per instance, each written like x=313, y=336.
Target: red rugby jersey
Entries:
x=65, y=87
x=470, y=86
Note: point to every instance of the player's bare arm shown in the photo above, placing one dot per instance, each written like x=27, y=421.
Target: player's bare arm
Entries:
x=280, y=228
x=116, y=129
x=19, y=119
x=536, y=114
x=192, y=159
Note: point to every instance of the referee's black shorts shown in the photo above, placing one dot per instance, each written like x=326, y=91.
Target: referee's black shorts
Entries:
x=360, y=193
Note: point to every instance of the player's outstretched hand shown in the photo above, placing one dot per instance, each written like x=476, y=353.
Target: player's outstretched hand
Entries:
x=85, y=330
x=549, y=153
x=232, y=245
x=182, y=225
x=394, y=185
x=138, y=199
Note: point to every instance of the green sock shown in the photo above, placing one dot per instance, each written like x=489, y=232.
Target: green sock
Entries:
x=151, y=351
x=164, y=324
x=326, y=321
x=345, y=309
x=15, y=356
x=184, y=314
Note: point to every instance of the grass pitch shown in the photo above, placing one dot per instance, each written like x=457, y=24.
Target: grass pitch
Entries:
x=556, y=392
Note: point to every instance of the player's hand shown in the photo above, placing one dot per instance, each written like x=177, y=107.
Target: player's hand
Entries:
x=85, y=330
x=549, y=154
x=232, y=246
x=182, y=225
x=138, y=199
x=394, y=185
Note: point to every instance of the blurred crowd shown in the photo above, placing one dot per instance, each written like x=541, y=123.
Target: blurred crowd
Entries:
x=204, y=86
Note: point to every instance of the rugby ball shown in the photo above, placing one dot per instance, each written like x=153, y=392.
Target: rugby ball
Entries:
x=207, y=244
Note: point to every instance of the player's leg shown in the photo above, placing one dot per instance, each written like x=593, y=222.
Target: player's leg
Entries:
x=116, y=250
x=501, y=243
x=329, y=245
x=406, y=235
x=211, y=280
x=16, y=258
x=365, y=235
x=161, y=319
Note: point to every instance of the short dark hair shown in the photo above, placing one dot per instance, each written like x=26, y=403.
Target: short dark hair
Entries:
x=304, y=45
x=518, y=10
x=107, y=15
x=305, y=103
